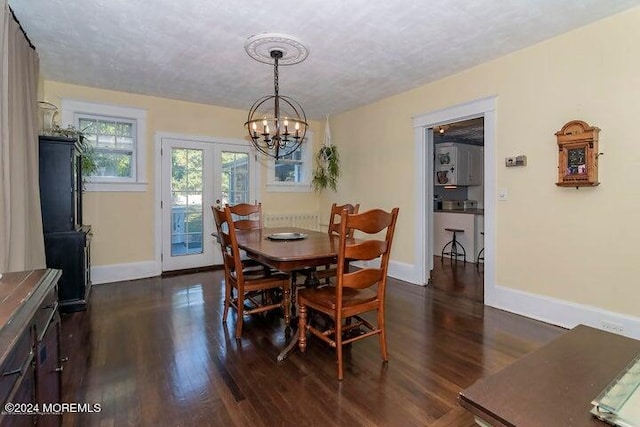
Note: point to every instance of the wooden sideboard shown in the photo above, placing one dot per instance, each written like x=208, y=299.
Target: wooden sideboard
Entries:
x=554, y=385
x=29, y=346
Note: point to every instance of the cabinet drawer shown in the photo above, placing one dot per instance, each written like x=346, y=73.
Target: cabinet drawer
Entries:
x=22, y=393
x=16, y=364
x=45, y=313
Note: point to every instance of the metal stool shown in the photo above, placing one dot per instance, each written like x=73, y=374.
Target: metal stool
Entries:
x=480, y=254
x=455, y=247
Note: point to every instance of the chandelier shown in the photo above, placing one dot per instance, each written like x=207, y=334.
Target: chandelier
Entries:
x=277, y=124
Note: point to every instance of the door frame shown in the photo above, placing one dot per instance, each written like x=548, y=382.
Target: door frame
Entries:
x=157, y=180
x=423, y=149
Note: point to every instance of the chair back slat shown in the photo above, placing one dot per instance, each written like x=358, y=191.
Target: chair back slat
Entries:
x=362, y=279
x=373, y=222
x=366, y=250
x=336, y=211
x=246, y=216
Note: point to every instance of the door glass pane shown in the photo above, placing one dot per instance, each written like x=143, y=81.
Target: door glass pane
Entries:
x=235, y=177
x=186, y=207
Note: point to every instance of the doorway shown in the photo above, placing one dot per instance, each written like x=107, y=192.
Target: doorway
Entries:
x=195, y=175
x=459, y=204
x=424, y=179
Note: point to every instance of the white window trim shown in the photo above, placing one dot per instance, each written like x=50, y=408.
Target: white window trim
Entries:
x=293, y=187
x=72, y=107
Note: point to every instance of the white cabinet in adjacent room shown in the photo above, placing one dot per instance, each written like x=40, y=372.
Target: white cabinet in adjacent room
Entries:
x=458, y=164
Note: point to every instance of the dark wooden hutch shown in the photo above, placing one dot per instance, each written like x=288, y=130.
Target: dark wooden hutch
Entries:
x=67, y=240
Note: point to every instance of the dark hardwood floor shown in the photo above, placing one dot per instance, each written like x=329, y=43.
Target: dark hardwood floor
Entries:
x=155, y=352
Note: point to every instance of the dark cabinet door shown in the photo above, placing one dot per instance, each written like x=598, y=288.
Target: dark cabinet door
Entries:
x=68, y=252
x=60, y=194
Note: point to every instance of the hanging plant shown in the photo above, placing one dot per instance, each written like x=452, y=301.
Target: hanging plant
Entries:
x=327, y=168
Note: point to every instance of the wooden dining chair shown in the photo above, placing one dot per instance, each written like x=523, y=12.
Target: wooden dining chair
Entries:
x=329, y=270
x=356, y=292
x=247, y=216
x=249, y=284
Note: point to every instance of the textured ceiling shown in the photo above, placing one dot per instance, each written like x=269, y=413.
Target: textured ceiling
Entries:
x=360, y=50
x=467, y=131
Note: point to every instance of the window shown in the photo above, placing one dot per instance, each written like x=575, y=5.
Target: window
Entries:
x=292, y=172
x=113, y=144
x=117, y=136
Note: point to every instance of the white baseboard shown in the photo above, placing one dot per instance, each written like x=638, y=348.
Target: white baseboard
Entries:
x=397, y=270
x=560, y=312
x=402, y=271
x=118, y=272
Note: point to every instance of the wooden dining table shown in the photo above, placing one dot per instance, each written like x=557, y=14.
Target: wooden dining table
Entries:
x=315, y=249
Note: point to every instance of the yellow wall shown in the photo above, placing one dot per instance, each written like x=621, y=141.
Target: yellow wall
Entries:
x=575, y=245
x=123, y=223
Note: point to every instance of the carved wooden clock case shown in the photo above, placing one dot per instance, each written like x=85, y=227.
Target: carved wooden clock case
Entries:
x=577, y=155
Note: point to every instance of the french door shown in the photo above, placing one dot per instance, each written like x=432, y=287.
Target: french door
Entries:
x=195, y=174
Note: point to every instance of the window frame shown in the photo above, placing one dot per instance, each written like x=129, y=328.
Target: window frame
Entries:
x=307, y=171
x=73, y=110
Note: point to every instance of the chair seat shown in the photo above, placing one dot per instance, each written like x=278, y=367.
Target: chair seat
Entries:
x=326, y=297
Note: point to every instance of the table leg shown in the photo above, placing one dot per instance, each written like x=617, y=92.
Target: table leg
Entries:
x=311, y=280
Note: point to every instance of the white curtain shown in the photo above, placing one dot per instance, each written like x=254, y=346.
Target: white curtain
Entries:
x=21, y=238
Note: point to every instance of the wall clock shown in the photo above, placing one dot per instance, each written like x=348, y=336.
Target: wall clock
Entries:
x=577, y=155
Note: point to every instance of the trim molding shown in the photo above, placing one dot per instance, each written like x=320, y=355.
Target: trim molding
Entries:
x=560, y=312
x=398, y=270
x=118, y=272
x=405, y=272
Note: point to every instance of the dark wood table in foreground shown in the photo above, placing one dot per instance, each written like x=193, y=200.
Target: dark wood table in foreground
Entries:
x=552, y=386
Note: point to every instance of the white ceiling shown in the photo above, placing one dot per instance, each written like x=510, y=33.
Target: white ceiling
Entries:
x=360, y=50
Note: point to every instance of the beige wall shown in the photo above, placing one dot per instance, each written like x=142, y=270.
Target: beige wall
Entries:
x=575, y=245
x=123, y=223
